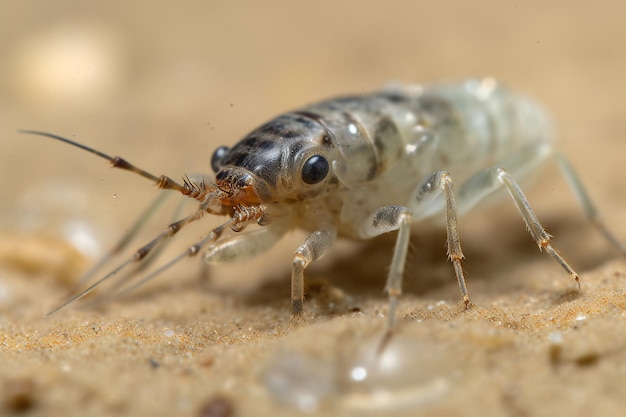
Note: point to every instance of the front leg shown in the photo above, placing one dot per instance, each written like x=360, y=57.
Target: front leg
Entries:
x=244, y=245
x=316, y=245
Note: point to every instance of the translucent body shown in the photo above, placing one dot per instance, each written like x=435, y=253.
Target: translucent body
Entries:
x=391, y=140
x=394, y=157
x=366, y=165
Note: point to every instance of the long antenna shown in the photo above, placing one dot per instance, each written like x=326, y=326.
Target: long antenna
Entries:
x=191, y=189
x=161, y=181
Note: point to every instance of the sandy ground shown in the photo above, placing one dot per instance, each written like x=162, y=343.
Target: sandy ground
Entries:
x=164, y=85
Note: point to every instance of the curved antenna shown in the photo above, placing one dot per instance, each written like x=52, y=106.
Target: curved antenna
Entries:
x=196, y=190
x=142, y=252
x=162, y=181
x=188, y=253
x=123, y=242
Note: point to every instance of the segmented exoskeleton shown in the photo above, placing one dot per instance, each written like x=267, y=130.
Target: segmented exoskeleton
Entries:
x=365, y=165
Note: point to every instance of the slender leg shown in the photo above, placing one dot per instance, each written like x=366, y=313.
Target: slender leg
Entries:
x=391, y=218
x=316, y=245
x=590, y=210
x=489, y=180
x=541, y=237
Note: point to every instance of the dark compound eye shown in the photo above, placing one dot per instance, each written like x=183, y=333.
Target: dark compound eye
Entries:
x=217, y=157
x=314, y=169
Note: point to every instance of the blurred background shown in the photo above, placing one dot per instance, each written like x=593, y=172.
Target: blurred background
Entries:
x=163, y=85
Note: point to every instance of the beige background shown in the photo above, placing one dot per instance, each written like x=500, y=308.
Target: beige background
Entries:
x=164, y=84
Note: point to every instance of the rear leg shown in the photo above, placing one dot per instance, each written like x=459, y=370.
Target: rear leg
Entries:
x=488, y=181
x=525, y=161
x=494, y=178
x=475, y=190
x=589, y=209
